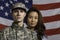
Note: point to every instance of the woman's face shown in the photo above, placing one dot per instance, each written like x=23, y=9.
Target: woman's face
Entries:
x=32, y=19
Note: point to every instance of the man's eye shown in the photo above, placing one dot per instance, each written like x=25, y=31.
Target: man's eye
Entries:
x=15, y=11
x=21, y=10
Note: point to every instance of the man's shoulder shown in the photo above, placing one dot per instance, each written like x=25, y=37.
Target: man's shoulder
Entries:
x=7, y=28
x=27, y=30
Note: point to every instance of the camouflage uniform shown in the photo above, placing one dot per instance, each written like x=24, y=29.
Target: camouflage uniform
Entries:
x=14, y=33
x=33, y=35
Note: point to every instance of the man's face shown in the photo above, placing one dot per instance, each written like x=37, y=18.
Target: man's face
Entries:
x=19, y=14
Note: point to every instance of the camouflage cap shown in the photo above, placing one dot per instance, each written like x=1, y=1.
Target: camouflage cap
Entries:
x=19, y=6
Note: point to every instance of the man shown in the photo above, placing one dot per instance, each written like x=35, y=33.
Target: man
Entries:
x=17, y=31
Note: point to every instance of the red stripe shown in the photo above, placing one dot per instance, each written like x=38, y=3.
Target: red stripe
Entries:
x=53, y=31
x=2, y=26
x=51, y=18
x=47, y=6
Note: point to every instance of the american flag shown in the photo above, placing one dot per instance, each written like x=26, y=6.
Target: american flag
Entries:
x=50, y=10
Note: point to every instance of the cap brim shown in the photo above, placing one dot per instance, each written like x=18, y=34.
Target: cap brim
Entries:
x=19, y=9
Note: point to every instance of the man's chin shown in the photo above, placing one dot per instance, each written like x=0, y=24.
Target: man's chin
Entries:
x=33, y=26
x=18, y=20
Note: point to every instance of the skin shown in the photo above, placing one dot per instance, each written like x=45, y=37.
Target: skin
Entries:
x=18, y=15
x=32, y=19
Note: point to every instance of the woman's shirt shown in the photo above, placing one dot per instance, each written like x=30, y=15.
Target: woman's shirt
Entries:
x=44, y=38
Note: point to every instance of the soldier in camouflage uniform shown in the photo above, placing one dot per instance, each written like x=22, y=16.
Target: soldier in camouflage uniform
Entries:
x=17, y=31
x=18, y=34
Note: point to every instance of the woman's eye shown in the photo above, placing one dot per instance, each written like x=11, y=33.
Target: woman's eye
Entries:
x=30, y=17
x=36, y=17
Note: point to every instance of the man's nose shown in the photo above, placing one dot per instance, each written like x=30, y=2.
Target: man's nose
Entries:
x=18, y=14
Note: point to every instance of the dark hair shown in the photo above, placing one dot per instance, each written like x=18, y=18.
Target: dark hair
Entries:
x=40, y=28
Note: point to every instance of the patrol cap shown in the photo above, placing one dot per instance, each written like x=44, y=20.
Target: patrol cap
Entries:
x=19, y=6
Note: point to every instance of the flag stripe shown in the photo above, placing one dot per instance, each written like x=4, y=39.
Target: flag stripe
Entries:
x=2, y=26
x=5, y=21
x=45, y=1
x=51, y=18
x=51, y=12
x=52, y=25
x=53, y=31
x=54, y=37
x=47, y=6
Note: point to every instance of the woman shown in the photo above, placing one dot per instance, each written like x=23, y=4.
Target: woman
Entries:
x=35, y=25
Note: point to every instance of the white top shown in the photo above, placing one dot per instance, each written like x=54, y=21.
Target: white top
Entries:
x=44, y=38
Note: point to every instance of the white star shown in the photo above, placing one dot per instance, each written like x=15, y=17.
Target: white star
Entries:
x=6, y=14
x=15, y=0
x=26, y=1
x=11, y=2
x=7, y=4
x=1, y=7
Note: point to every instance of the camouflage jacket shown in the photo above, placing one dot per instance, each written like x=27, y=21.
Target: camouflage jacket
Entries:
x=10, y=33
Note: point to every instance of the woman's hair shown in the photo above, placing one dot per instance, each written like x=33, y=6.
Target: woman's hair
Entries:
x=40, y=28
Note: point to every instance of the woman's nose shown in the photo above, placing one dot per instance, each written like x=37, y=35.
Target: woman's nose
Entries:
x=32, y=19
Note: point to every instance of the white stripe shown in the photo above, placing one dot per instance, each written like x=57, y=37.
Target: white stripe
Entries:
x=52, y=25
x=45, y=1
x=54, y=37
x=5, y=21
x=50, y=12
